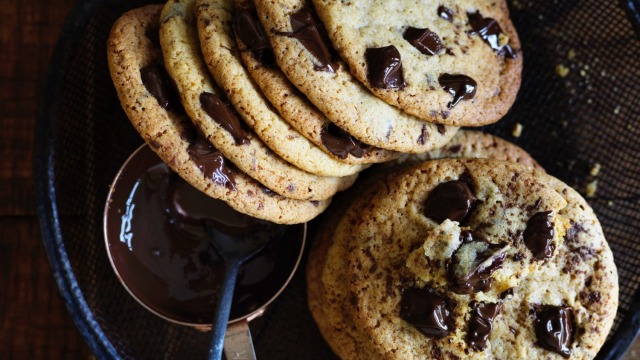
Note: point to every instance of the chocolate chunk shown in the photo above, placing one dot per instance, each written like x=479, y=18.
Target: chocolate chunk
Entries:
x=452, y=200
x=461, y=87
x=441, y=129
x=445, y=13
x=223, y=114
x=341, y=144
x=385, y=67
x=554, y=328
x=506, y=294
x=157, y=81
x=212, y=164
x=489, y=31
x=425, y=40
x=312, y=36
x=430, y=313
x=538, y=235
x=473, y=263
x=481, y=323
x=251, y=32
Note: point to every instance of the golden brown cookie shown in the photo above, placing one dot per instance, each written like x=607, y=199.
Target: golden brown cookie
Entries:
x=482, y=259
x=455, y=63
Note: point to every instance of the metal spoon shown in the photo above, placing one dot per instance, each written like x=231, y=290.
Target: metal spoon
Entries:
x=234, y=250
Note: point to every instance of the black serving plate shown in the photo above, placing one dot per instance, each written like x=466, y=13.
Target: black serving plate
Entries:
x=590, y=116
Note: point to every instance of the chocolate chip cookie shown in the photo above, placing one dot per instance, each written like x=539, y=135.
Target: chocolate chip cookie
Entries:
x=455, y=63
x=483, y=259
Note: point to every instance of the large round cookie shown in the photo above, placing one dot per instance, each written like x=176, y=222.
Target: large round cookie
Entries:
x=333, y=90
x=214, y=18
x=296, y=109
x=143, y=87
x=327, y=267
x=455, y=63
x=481, y=259
x=220, y=125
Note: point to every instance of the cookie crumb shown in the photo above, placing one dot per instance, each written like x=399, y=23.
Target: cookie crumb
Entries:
x=616, y=111
x=595, y=170
x=583, y=72
x=571, y=54
x=562, y=70
x=591, y=188
x=610, y=203
x=517, y=130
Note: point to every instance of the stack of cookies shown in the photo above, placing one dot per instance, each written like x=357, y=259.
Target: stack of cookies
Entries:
x=463, y=258
x=274, y=106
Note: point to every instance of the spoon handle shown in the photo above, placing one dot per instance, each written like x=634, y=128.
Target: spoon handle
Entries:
x=223, y=309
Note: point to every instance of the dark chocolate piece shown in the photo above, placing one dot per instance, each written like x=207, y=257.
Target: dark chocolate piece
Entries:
x=249, y=29
x=554, y=328
x=223, y=114
x=489, y=31
x=430, y=313
x=212, y=164
x=158, y=241
x=481, y=323
x=157, y=81
x=385, y=67
x=311, y=34
x=539, y=234
x=461, y=87
x=452, y=200
x=473, y=263
x=341, y=144
x=445, y=13
x=425, y=40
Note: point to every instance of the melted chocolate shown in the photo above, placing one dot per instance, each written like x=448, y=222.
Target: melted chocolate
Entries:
x=428, y=312
x=312, y=36
x=212, y=164
x=156, y=235
x=223, y=114
x=481, y=259
x=425, y=40
x=157, y=81
x=385, y=67
x=341, y=144
x=445, y=13
x=489, y=30
x=554, y=328
x=452, y=200
x=481, y=323
x=247, y=27
x=461, y=87
x=539, y=234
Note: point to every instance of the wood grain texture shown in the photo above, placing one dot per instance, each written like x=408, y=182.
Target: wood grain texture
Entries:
x=34, y=323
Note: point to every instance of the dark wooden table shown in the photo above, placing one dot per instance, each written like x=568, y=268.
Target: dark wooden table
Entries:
x=34, y=323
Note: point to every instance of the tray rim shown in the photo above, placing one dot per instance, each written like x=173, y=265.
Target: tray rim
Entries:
x=47, y=212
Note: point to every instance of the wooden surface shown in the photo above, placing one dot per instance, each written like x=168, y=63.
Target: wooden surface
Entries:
x=34, y=323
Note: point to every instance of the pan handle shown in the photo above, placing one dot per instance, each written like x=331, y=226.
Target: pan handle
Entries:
x=237, y=342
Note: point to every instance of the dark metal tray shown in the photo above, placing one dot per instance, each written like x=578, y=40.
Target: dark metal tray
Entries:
x=570, y=123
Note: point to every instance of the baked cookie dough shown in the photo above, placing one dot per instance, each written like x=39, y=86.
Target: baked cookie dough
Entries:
x=455, y=63
x=307, y=60
x=477, y=258
x=218, y=122
x=150, y=102
x=327, y=267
